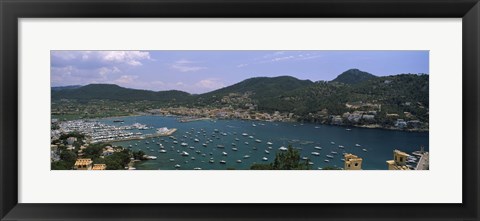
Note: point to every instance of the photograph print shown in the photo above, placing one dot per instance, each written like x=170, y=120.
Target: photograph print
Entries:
x=239, y=110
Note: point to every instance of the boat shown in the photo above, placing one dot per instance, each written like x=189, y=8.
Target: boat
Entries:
x=269, y=148
x=177, y=166
x=316, y=153
x=223, y=161
x=151, y=157
x=357, y=145
x=172, y=160
x=236, y=139
x=318, y=148
x=162, y=151
x=348, y=129
x=341, y=146
x=258, y=141
x=234, y=149
x=196, y=140
x=267, y=152
x=253, y=125
x=326, y=161
x=216, y=130
x=192, y=148
x=283, y=148
x=304, y=158
x=204, y=144
x=220, y=146
x=184, y=153
x=184, y=144
x=310, y=163
x=246, y=143
x=251, y=137
x=332, y=142
x=234, y=144
x=333, y=152
x=244, y=134
x=192, y=158
x=264, y=159
x=224, y=153
x=246, y=156
x=197, y=168
x=364, y=150
x=239, y=161
x=269, y=143
x=330, y=156
x=211, y=161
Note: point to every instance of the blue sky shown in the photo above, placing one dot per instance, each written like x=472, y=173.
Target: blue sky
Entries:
x=203, y=71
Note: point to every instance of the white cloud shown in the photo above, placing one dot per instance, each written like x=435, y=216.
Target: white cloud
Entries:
x=242, y=65
x=126, y=79
x=210, y=84
x=186, y=66
x=132, y=58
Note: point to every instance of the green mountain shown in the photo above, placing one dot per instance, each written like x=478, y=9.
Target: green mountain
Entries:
x=353, y=76
x=353, y=98
x=117, y=93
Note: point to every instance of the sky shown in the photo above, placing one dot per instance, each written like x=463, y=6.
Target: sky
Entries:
x=203, y=71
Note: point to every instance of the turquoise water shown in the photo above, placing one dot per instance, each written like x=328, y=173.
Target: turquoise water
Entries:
x=379, y=143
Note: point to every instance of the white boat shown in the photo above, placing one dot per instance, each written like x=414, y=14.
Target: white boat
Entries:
x=267, y=152
x=192, y=158
x=162, y=151
x=172, y=160
x=151, y=157
x=246, y=143
x=192, y=148
x=326, y=161
x=258, y=141
x=197, y=168
x=316, y=153
x=318, y=148
x=332, y=142
x=220, y=146
x=211, y=161
x=177, y=166
x=341, y=146
x=224, y=154
x=184, y=153
x=234, y=144
x=264, y=159
x=184, y=144
x=246, y=156
x=234, y=149
x=310, y=163
x=348, y=129
x=239, y=161
x=253, y=125
x=304, y=158
x=330, y=156
x=283, y=148
x=251, y=137
x=357, y=145
x=204, y=144
x=244, y=134
x=223, y=162
x=269, y=143
x=364, y=150
x=237, y=139
x=333, y=152
x=196, y=140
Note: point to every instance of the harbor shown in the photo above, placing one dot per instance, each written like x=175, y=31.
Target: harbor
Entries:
x=237, y=144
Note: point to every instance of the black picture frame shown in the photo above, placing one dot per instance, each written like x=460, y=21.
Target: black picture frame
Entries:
x=12, y=10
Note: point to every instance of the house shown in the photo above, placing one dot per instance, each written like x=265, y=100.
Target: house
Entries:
x=99, y=167
x=83, y=164
x=399, y=161
x=352, y=162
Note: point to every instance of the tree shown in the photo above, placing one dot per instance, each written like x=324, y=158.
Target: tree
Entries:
x=288, y=160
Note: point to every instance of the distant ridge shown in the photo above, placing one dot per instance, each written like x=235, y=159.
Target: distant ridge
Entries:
x=115, y=92
x=353, y=76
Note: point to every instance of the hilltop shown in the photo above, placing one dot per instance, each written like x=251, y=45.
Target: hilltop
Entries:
x=353, y=98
